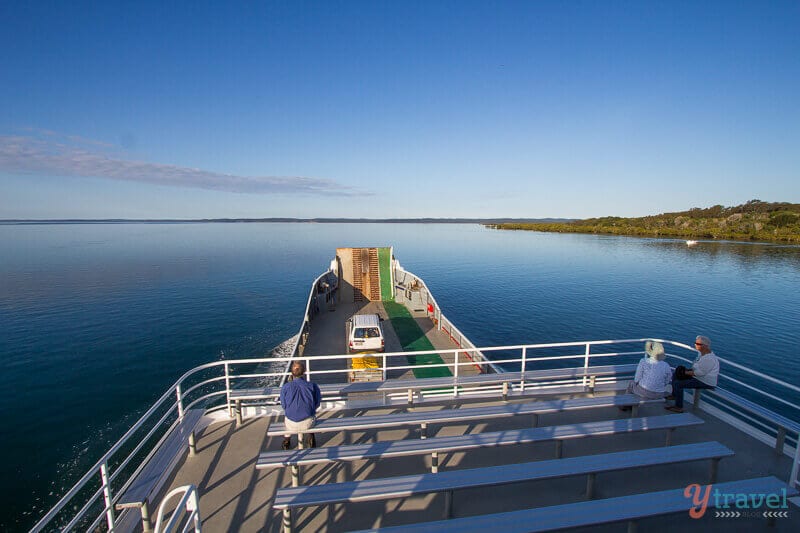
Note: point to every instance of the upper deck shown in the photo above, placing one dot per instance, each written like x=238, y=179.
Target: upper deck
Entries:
x=237, y=497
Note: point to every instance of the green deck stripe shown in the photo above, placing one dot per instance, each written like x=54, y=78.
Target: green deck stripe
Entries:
x=384, y=262
x=413, y=339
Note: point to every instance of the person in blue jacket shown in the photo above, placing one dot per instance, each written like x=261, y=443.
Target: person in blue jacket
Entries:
x=300, y=399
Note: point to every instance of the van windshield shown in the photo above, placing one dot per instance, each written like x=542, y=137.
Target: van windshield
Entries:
x=366, y=333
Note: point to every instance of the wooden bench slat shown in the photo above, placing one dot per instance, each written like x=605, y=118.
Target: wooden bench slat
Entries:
x=152, y=476
x=465, y=442
x=456, y=415
x=404, y=486
x=593, y=512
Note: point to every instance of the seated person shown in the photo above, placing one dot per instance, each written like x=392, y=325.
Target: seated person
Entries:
x=300, y=400
x=653, y=375
x=703, y=374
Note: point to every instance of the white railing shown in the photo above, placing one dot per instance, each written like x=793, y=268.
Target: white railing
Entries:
x=209, y=386
x=187, y=512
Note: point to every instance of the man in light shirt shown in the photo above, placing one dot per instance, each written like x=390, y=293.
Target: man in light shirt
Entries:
x=703, y=375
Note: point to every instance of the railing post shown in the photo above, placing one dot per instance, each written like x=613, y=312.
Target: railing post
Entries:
x=524, y=357
x=793, y=481
x=586, y=363
x=179, y=400
x=455, y=373
x=385, y=368
x=308, y=369
x=228, y=388
x=107, y=496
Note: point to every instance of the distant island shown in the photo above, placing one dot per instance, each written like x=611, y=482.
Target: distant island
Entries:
x=751, y=221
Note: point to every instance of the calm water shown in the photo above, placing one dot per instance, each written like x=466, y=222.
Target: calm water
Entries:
x=96, y=321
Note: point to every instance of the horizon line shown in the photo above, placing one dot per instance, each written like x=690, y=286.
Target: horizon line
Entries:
x=443, y=220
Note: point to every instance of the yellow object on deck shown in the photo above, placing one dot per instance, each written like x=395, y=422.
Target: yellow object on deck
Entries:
x=364, y=362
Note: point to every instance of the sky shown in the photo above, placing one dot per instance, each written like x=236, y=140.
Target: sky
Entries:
x=386, y=109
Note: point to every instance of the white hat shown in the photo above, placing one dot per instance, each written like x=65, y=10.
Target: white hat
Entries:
x=654, y=349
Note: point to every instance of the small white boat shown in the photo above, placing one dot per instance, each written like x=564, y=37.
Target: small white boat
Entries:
x=691, y=243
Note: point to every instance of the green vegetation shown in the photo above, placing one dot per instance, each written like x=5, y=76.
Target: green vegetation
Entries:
x=413, y=339
x=752, y=221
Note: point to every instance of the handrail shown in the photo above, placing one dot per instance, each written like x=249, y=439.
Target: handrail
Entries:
x=189, y=501
x=219, y=390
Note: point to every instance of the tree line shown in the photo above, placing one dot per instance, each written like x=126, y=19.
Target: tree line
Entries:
x=752, y=221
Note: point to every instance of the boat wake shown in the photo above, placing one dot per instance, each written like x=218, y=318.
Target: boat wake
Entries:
x=284, y=349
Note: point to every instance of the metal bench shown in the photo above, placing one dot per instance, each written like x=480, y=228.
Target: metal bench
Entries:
x=412, y=386
x=434, y=446
x=148, y=481
x=780, y=421
x=444, y=416
x=596, y=512
x=405, y=486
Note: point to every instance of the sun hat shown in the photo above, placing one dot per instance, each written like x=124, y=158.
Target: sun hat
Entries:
x=655, y=350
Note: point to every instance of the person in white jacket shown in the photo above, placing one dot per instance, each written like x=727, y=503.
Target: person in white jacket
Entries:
x=653, y=374
x=703, y=374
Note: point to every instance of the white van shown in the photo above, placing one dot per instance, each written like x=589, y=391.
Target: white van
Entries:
x=365, y=334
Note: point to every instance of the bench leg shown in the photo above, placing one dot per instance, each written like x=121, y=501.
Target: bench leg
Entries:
x=410, y=396
x=591, y=383
x=535, y=420
x=238, y=410
x=668, y=441
x=632, y=526
x=435, y=463
x=296, y=468
x=505, y=391
x=559, y=449
x=192, y=445
x=448, y=504
x=287, y=520
x=712, y=474
x=696, y=399
x=634, y=410
x=146, y=526
x=591, y=478
x=780, y=440
x=423, y=431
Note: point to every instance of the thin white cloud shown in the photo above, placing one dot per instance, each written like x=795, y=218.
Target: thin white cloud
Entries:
x=32, y=155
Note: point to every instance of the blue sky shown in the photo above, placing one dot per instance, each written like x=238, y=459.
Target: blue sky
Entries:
x=396, y=109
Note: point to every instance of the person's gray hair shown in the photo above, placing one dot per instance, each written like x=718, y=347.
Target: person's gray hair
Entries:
x=705, y=341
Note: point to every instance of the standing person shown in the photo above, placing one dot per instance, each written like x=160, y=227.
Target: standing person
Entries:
x=703, y=375
x=300, y=399
x=653, y=374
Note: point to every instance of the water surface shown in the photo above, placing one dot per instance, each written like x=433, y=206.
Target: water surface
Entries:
x=96, y=321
